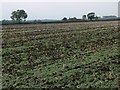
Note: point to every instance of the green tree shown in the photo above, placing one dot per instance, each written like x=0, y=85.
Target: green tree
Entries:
x=64, y=19
x=96, y=17
x=91, y=15
x=84, y=17
x=19, y=15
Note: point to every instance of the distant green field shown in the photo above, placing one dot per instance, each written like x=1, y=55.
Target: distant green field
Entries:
x=66, y=55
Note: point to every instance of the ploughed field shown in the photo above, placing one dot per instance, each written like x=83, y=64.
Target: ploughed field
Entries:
x=74, y=55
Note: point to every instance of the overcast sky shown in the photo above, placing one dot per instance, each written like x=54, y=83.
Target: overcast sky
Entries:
x=58, y=10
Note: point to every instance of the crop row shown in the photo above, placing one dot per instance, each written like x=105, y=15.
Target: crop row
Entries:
x=59, y=36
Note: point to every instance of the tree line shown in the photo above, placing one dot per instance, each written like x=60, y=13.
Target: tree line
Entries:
x=20, y=16
x=90, y=16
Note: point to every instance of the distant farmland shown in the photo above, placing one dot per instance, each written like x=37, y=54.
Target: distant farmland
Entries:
x=73, y=55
